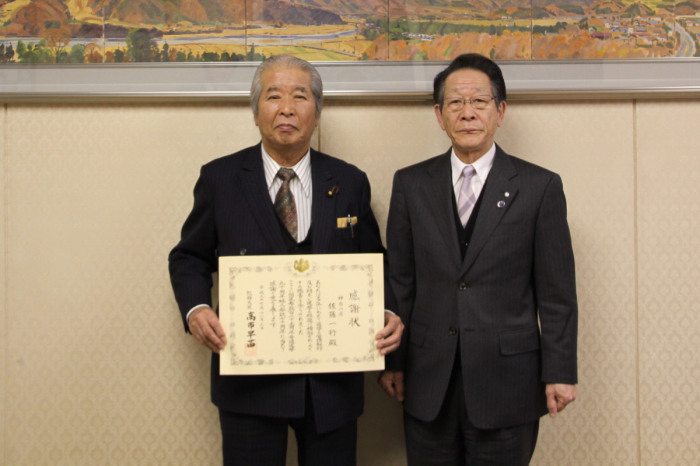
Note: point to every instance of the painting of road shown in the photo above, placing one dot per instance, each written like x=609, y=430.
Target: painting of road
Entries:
x=121, y=31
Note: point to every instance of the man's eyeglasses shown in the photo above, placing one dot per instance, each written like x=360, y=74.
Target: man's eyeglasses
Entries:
x=478, y=102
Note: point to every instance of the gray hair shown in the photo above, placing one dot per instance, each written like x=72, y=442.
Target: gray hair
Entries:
x=289, y=62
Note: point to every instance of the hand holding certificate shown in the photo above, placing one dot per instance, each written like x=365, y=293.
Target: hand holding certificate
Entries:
x=303, y=313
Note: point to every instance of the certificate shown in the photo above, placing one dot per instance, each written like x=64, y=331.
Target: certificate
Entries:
x=301, y=313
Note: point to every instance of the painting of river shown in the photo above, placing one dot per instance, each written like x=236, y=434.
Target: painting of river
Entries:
x=122, y=31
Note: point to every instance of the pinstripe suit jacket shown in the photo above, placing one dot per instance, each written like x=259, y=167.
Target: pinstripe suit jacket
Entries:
x=518, y=270
x=233, y=215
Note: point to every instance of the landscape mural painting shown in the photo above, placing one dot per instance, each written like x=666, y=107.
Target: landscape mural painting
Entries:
x=121, y=31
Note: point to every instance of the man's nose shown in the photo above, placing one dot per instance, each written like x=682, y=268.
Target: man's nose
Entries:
x=287, y=106
x=467, y=112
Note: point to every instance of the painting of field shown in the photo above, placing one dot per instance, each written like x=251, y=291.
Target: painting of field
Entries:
x=122, y=31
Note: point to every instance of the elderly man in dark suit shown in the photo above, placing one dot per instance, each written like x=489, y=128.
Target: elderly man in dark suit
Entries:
x=278, y=197
x=483, y=271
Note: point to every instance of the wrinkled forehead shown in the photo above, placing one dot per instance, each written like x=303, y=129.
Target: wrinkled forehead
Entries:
x=285, y=77
x=467, y=81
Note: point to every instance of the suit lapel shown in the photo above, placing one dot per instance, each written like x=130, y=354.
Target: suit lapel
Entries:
x=322, y=206
x=439, y=193
x=254, y=188
x=494, y=204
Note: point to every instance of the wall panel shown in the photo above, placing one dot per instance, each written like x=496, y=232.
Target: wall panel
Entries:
x=594, y=156
x=669, y=308
x=3, y=301
x=100, y=367
x=376, y=142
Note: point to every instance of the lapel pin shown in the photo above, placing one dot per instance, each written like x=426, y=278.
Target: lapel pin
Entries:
x=333, y=191
x=506, y=194
x=501, y=204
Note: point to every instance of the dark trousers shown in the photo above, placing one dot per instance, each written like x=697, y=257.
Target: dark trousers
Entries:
x=452, y=440
x=250, y=440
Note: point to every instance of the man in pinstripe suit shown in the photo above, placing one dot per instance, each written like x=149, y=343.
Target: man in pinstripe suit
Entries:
x=234, y=214
x=482, y=268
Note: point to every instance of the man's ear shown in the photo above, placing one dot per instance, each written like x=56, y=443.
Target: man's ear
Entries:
x=438, y=115
x=501, y=112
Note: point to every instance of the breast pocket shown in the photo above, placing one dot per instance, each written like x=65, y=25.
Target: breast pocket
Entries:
x=346, y=236
x=514, y=226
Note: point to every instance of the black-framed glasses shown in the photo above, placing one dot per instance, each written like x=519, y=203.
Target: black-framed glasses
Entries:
x=478, y=102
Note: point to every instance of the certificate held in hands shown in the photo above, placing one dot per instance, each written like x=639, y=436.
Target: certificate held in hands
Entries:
x=301, y=313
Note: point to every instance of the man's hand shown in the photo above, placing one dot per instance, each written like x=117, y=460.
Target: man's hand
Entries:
x=558, y=396
x=392, y=383
x=390, y=336
x=206, y=328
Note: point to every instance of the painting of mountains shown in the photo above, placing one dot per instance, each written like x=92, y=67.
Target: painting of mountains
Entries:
x=116, y=31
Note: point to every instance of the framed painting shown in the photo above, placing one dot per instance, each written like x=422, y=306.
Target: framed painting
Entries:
x=204, y=49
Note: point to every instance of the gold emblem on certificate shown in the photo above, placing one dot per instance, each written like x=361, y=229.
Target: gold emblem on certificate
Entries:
x=301, y=314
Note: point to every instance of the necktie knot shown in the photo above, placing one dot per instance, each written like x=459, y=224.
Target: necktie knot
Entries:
x=467, y=173
x=286, y=174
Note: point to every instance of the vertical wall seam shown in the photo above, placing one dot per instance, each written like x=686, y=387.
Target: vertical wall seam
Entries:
x=5, y=301
x=635, y=161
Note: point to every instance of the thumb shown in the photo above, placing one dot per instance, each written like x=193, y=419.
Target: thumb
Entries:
x=552, y=405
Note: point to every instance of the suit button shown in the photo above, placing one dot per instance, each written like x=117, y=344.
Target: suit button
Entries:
x=243, y=251
x=462, y=286
x=453, y=331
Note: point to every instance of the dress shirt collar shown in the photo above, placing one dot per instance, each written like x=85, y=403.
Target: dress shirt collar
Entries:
x=302, y=169
x=482, y=166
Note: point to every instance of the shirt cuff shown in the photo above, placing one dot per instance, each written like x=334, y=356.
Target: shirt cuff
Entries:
x=187, y=317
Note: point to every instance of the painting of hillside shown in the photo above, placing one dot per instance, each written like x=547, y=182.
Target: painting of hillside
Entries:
x=121, y=31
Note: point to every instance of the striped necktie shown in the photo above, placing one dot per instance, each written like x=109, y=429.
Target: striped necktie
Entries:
x=285, y=206
x=467, y=197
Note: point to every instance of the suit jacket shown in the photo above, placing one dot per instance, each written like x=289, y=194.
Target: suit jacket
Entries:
x=518, y=270
x=234, y=215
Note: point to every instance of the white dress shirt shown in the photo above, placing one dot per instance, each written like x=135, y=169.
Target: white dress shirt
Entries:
x=300, y=187
x=482, y=167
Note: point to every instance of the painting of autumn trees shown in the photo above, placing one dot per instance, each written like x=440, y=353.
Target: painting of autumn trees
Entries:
x=135, y=31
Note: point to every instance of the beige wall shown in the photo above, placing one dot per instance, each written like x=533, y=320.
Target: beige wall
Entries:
x=97, y=370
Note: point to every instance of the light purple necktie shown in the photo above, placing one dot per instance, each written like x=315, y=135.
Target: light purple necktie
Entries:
x=467, y=198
